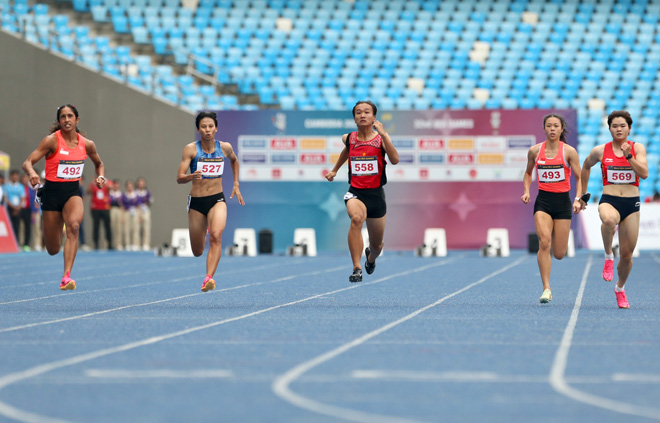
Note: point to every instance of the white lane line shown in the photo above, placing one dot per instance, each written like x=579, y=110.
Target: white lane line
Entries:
x=116, y=288
x=281, y=385
x=27, y=417
x=488, y=377
x=636, y=377
x=557, y=378
x=111, y=310
x=158, y=374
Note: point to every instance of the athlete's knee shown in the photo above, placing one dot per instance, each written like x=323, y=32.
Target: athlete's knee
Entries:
x=559, y=254
x=73, y=228
x=544, y=244
x=357, y=219
x=53, y=250
x=215, y=237
x=609, y=221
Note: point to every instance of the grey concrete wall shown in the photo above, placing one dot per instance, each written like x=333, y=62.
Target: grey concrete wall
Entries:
x=135, y=134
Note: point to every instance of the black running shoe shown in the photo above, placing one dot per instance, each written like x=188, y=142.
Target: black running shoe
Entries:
x=369, y=267
x=356, y=276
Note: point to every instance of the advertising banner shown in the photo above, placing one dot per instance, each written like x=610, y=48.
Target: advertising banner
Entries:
x=461, y=170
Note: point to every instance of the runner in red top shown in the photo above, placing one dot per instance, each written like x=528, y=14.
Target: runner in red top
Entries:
x=554, y=161
x=61, y=201
x=365, y=200
x=623, y=162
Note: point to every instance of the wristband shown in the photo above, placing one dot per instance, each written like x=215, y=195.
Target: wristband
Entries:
x=629, y=156
x=585, y=197
x=102, y=177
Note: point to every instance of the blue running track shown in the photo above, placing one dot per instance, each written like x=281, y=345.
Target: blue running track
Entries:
x=288, y=339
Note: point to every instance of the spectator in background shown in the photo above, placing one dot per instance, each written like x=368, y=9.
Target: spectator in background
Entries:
x=116, y=215
x=15, y=193
x=37, y=241
x=2, y=189
x=99, y=204
x=144, y=212
x=655, y=198
x=26, y=211
x=129, y=201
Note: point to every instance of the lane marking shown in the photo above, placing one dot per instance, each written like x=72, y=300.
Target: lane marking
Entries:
x=281, y=385
x=158, y=374
x=117, y=288
x=636, y=377
x=28, y=417
x=110, y=310
x=557, y=378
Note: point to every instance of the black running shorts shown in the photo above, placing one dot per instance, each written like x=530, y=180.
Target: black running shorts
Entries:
x=205, y=204
x=557, y=204
x=373, y=199
x=624, y=205
x=54, y=195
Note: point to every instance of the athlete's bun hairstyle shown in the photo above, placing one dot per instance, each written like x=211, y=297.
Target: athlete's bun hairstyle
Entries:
x=206, y=114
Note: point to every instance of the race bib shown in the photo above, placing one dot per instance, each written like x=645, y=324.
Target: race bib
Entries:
x=211, y=167
x=364, y=165
x=620, y=175
x=70, y=169
x=551, y=173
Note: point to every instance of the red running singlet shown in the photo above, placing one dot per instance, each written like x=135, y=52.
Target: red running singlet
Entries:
x=66, y=164
x=553, y=175
x=366, y=162
x=617, y=170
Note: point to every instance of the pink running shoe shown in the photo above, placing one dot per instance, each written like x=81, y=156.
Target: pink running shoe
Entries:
x=208, y=285
x=67, y=283
x=608, y=270
x=621, y=299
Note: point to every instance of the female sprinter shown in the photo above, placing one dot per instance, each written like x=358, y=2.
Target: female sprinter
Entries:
x=65, y=150
x=365, y=200
x=554, y=161
x=206, y=203
x=623, y=162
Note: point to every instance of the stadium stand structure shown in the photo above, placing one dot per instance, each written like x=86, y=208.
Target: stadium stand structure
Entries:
x=594, y=57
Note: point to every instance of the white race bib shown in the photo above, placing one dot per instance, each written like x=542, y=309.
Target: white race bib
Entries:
x=211, y=167
x=551, y=173
x=364, y=165
x=620, y=175
x=70, y=169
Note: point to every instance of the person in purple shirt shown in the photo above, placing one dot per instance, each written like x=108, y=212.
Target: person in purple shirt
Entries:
x=144, y=212
x=129, y=201
x=116, y=215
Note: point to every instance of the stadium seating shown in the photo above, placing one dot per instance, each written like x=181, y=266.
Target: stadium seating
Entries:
x=412, y=54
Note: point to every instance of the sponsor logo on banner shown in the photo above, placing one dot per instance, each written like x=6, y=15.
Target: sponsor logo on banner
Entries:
x=283, y=158
x=253, y=158
x=334, y=157
x=491, y=159
x=423, y=173
x=312, y=144
x=406, y=158
x=432, y=158
x=519, y=158
x=403, y=143
x=336, y=143
x=461, y=144
x=313, y=158
x=461, y=159
x=277, y=173
x=283, y=144
x=491, y=144
x=253, y=143
x=521, y=141
x=431, y=144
